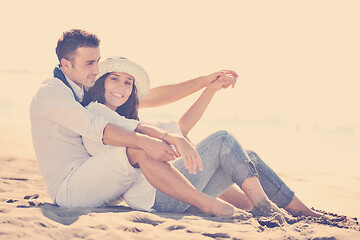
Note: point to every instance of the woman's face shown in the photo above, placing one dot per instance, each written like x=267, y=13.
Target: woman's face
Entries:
x=118, y=87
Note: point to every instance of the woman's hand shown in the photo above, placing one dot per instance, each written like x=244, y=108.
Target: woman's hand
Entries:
x=223, y=81
x=188, y=152
x=159, y=150
x=216, y=75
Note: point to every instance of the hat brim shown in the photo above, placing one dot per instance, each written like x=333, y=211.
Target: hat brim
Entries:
x=120, y=64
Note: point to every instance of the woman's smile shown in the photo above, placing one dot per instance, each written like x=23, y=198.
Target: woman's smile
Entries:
x=119, y=95
x=118, y=87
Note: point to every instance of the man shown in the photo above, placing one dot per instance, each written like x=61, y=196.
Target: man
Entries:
x=58, y=121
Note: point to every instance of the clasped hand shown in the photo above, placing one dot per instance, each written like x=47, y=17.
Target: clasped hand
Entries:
x=228, y=77
x=162, y=151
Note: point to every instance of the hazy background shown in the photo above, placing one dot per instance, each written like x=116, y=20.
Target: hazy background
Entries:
x=296, y=100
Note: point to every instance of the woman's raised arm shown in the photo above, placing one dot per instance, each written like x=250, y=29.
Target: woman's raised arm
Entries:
x=194, y=113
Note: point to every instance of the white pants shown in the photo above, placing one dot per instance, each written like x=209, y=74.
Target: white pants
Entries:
x=104, y=178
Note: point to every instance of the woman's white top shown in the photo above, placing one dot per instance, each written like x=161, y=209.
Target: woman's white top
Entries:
x=141, y=194
x=113, y=117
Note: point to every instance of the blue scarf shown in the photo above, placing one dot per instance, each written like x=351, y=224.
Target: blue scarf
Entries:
x=60, y=75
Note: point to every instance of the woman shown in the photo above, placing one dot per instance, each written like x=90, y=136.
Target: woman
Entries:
x=221, y=160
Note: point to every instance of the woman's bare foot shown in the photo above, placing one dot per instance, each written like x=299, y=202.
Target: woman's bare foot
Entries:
x=265, y=208
x=268, y=214
x=298, y=208
x=236, y=197
x=241, y=214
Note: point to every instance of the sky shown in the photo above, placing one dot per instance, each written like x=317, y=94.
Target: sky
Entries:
x=296, y=59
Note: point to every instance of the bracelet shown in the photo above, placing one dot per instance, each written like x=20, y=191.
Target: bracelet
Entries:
x=164, y=135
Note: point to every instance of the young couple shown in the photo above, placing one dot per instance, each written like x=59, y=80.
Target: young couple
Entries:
x=91, y=156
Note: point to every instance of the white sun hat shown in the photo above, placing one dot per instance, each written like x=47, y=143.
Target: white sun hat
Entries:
x=122, y=64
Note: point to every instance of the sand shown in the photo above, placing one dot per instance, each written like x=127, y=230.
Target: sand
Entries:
x=26, y=212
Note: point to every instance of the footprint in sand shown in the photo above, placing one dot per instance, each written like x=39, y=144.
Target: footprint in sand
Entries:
x=216, y=235
x=175, y=227
x=147, y=221
x=33, y=196
x=130, y=229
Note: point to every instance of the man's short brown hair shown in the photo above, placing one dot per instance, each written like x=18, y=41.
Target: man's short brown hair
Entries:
x=71, y=40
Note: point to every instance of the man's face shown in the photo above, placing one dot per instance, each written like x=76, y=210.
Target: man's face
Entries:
x=83, y=68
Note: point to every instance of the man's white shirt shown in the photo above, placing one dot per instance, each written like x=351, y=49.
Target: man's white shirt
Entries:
x=57, y=124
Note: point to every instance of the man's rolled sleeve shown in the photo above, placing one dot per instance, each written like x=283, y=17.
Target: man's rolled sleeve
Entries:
x=112, y=116
x=57, y=104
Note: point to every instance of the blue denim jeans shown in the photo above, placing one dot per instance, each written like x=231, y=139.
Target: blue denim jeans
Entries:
x=225, y=162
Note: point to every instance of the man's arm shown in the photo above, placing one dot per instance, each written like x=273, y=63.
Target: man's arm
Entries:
x=166, y=94
x=155, y=148
x=149, y=139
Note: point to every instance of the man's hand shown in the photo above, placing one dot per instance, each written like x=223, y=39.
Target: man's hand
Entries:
x=216, y=75
x=159, y=150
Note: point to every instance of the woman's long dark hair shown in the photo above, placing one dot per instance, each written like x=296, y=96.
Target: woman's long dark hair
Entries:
x=129, y=109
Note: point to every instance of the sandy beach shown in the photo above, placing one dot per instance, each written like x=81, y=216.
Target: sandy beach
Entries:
x=26, y=211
